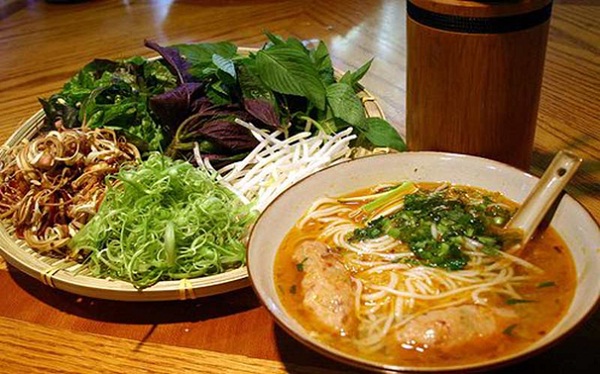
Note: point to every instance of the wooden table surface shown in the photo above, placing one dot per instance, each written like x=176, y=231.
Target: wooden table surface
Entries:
x=44, y=330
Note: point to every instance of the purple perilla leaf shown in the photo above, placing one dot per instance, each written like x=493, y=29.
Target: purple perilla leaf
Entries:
x=228, y=135
x=263, y=111
x=174, y=106
x=177, y=65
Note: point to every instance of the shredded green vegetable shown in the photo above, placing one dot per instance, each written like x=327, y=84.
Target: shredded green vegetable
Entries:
x=165, y=220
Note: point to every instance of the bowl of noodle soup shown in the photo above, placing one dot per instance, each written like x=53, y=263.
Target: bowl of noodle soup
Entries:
x=398, y=263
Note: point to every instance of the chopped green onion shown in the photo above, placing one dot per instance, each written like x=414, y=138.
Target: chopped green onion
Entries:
x=389, y=196
x=300, y=266
x=509, y=330
x=546, y=284
x=518, y=301
x=166, y=220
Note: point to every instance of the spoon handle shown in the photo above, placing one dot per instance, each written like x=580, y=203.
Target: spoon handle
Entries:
x=536, y=205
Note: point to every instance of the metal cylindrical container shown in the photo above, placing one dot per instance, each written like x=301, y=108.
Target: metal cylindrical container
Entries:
x=474, y=75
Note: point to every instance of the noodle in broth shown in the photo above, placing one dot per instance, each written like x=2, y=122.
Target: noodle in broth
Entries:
x=395, y=292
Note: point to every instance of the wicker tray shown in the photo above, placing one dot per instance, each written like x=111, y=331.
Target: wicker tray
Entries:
x=72, y=277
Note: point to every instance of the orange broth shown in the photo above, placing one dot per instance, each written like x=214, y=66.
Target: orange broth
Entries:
x=550, y=294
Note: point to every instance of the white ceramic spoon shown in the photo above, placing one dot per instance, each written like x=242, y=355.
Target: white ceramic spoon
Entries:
x=538, y=202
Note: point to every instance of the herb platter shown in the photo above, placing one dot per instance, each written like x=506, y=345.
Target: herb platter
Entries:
x=75, y=276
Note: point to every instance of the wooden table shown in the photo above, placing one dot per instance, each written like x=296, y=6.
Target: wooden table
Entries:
x=44, y=330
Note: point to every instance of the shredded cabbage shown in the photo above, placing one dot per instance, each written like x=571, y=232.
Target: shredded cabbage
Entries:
x=165, y=220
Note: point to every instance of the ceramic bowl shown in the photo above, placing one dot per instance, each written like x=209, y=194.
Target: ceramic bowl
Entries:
x=575, y=225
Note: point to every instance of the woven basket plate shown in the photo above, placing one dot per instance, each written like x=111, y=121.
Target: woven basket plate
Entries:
x=73, y=277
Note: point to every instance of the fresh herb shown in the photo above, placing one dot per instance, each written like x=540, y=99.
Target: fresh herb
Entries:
x=113, y=94
x=283, y=85
x=194, y=93
x=389, y=196
x=509, y=330
x=300, y=265
x=512, y=301
x=164, y=220
x=546, y=284
x=438, y=226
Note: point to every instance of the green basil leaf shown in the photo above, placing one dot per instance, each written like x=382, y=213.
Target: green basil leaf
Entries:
x=274, y=39
x=345, y=104
x=346, y=78
x=202, y=53
x=297, y=45
x=329, y=126
x=322, y=61
x=217, y=94
x=360, y=72
x=201, y=60
x=290, y=71
x=382, y=134
x=353, y=77
x=224, y=64
x=258, y=100
x=251, y=86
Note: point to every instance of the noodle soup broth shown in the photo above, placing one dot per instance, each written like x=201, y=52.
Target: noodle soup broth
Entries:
x=420, y=274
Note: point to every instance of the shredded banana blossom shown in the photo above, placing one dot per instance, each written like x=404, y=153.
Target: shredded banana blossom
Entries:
x=53, y=184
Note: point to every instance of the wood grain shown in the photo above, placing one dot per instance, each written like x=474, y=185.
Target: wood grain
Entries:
x=30, y=348
x=43, y=44
x=233, y=323
x=475, y=93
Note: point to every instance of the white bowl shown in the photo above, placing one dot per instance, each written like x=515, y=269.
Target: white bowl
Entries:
x=574, y=224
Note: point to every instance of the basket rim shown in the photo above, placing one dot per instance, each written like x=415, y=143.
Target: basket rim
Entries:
x=57, y=274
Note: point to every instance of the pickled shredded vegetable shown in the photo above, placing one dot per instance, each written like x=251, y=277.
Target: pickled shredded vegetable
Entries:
x=165, y=220
x=275, y=164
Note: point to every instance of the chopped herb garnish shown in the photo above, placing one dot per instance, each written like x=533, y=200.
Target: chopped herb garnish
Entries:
x=300, y=265
x=518, y=301
x=438, y=226
x=509, y=330
x=546, y=284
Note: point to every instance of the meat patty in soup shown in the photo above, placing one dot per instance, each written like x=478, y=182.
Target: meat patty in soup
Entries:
x=326, y=287
x=454, y=329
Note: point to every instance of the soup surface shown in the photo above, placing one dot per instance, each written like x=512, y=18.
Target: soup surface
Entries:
x=422, y=274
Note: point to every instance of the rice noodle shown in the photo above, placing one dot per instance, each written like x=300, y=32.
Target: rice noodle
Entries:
x=390, y=290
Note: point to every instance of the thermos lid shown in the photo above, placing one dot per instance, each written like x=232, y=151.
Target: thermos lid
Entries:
x=481, y=8
x=479, y=17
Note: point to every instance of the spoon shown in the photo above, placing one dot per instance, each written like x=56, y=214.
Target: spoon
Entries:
x=527, y=218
